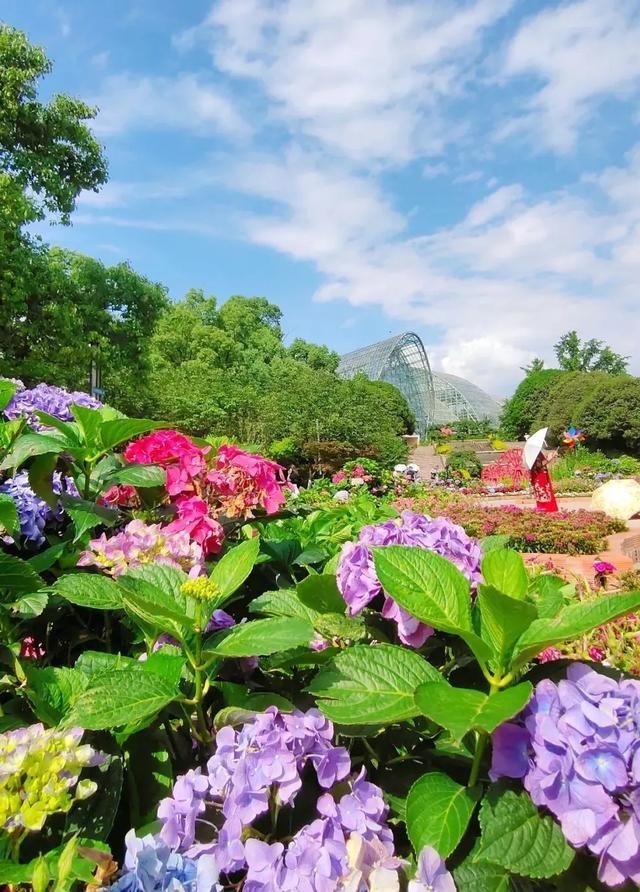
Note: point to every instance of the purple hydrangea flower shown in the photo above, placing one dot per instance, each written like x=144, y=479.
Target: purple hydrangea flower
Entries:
x=359, y=584
x=432, y=874
x=577, y=748
x=33, y=512
x=47, y=398
x=151, y=866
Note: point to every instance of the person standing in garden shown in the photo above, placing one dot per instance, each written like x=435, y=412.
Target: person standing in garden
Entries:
x=542, y=486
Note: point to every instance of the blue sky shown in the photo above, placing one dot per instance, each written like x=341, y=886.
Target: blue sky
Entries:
x=467, y=169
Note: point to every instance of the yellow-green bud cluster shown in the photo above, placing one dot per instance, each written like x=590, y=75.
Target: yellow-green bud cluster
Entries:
x=201, y=588
x=39, y=771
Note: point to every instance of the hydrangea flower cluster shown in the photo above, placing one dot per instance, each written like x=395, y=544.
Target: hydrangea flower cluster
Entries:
x=33, y=512
x=140, y=543
x=577, y=748
x=259, y=768
x=151, y=866
x=357, y=578
x=235, y=487
x=47, y=398
x=39, y=775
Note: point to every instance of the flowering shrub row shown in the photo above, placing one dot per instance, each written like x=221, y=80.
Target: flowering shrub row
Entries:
x=210, y=685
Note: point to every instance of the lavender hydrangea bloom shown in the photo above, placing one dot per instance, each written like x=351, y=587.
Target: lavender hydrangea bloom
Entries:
x=577, y=748
x=151, y=866
x=47, y=398
x=359, y=584
x=33, y=512
x=432, y=875
x=263, y=762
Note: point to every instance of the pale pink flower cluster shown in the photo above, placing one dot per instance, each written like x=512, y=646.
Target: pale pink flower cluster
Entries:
x=140, y=543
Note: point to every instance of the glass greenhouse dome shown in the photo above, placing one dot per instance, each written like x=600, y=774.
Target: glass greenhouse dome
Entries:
x=434, y=397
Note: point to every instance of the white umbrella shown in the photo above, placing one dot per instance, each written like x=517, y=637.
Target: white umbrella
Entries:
x=534, y=446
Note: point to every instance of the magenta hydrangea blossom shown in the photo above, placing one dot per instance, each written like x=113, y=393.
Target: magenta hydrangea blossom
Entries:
x=359, y=584
x=47, y=398
x=577, y=749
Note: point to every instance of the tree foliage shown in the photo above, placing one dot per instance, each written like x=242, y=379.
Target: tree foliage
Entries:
x=528, y=402
x=574, y=355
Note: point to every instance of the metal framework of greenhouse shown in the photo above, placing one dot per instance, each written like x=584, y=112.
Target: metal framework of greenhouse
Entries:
x=434, y=397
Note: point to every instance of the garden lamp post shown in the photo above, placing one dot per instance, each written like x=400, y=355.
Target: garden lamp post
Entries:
x=95, y=372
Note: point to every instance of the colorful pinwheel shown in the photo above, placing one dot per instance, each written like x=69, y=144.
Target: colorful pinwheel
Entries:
x=572, y=437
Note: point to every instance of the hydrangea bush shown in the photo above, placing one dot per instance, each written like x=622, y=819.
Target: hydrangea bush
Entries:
x=208, y=685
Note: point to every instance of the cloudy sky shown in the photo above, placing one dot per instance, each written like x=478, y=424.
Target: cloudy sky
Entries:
x=468, y=169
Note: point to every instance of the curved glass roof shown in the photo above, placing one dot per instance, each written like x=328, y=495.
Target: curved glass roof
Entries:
x=434, y=397
x=402, y=361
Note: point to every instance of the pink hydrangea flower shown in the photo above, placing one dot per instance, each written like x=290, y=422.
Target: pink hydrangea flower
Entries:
x=193, y=518
x=140, y=543
x=171, y=450
x=241, y=482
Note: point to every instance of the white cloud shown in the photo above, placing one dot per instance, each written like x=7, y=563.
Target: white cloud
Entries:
x=494, y=205
x=186, y=102
x=365, y=78
x=582, y=52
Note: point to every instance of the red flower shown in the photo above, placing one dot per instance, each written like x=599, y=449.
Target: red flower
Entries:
x=31, y=649
x=125, y=496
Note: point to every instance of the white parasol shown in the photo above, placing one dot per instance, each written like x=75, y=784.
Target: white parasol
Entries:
x=533, y=447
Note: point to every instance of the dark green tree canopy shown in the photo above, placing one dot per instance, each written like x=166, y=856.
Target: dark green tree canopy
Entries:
x=46, y=149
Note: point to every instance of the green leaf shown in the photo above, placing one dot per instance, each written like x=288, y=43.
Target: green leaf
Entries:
x=121, y=697
x=89, y=590
x=372, y=685
x=438, y=812
x=93, y=818
x=431, y=589
x=284, y=602
x=482, y=878
x=17, y=575
x=571, y=622
x=517, y=837
x=261, y=637
x=158, y=578
x=504, y=569
x=95, y=662
x=47, y=558
x=70, y=431
x=29, y=445
x=87, y=515
x=320, y=592
x=549, y=593
x=156, y=609
x=9, y=515
x=461, y=709
x=138, y=475
x=40, y=473
x=89, y=422
x=113, y=433
x=234, y=568
x=490, y=542
x=502, y=620
x=52, y=690
x=7, y=390
x=31, y=605
x=150, y=764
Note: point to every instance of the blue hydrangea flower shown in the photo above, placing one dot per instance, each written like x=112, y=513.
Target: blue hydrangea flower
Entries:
x=46, y=398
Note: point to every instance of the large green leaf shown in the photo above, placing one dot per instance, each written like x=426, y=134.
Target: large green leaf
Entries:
x=47, y=558
x=372, y=685
x=502, y=620
x=460, y=710
x=431, y=589
x=93, y=818
x=31, y=604
x=40, y=478
x=156, y=609
x=89, y=421
x=69, y=430
x=9, y=515
x=95, y=662
x=284, y=602
x=119, y=430
x=234, y=568
x=320, y=592
x=121, y=697
x=31, y=444
x=149, y=762
x=138, y=475
x=516, y=836
x=87, y=515
x=504, y=569
x=571, y=622
x=89, y=590
x=261, y=637
x=484, y=877
x=438, y=812
x=52, y=690
x=17, y=575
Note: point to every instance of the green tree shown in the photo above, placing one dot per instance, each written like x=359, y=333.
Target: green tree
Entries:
x=536, y=365
x=574, y=355
x=317, y=356
x=46, y=149
x=563, y=402
x=610, y=413
x=526, y=404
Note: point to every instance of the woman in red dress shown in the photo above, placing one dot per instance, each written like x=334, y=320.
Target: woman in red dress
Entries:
x=541, y=486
